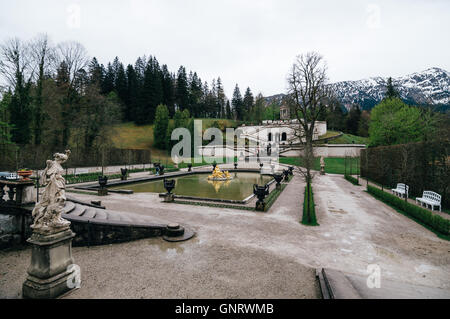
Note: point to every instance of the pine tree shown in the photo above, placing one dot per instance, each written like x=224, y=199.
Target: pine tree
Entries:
x=195, y=94
x=20, y=111
x=237, y=104
x=121, y=87
x=258, y=110
x=182, y=93
x=248, y=104
x=221, y=104
x=353, y=118
x=228, y=110
x=391, y=92
x=132, y=94
x=108, y=80
x=68, y=96
x=155, y=88
x=161, y=126
x=168, y=84
x=96, y=72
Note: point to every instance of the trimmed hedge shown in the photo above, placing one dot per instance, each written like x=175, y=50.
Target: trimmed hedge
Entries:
x=351, y=179
x=312, y=221
x=272, y=197
x=434, y=221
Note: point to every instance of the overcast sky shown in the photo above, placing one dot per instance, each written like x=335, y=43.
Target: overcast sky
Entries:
x=249, y=42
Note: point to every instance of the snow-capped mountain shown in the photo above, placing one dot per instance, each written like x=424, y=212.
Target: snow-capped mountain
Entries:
x=429, y=87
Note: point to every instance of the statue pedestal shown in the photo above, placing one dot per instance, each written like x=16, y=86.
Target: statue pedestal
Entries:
x=48, y=274
x=260, y=206
x=102, y=192
x=168, y=198
x=322, y=170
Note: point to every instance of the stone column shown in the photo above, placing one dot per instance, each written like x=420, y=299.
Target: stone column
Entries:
x=50, y=274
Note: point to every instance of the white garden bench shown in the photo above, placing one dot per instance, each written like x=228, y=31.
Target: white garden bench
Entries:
x=430, y=198
x=401, y=190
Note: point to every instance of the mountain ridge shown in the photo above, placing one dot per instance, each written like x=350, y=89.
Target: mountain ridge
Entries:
x=427, y=88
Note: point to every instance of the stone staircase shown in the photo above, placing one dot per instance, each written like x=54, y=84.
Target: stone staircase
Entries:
x=79, y=212
x=99, y=226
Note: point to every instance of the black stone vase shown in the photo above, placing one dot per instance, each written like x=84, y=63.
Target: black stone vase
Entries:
x=261, y=192
x=103, y=180
x=124, y=172
x=291, y=170
x=169, y=185
x=278, y=177
x=286, y=175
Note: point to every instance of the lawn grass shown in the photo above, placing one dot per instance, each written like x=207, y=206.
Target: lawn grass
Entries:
x=329, y=134
x=333, y=165
x=349, y=139
x=132, y=136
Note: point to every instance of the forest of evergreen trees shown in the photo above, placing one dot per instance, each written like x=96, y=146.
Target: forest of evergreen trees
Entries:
x=57, y=96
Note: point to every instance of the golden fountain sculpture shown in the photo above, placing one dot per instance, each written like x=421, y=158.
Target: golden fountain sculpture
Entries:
x=218, y=175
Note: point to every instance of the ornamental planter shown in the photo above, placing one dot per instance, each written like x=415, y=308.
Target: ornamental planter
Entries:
x=260, y=192
x=25, y=174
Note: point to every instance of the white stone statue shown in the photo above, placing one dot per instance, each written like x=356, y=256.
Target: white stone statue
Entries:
x=322, y=166
x=47, y=213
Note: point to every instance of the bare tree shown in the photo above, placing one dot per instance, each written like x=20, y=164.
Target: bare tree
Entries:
x=15, y=61
x=309, y=95
x=74, y=55
x=42, y=57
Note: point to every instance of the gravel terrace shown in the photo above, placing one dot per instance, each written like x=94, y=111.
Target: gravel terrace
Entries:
x=242, y=254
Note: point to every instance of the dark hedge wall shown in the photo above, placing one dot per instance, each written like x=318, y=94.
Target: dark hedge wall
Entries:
x=422, y=166
x=33, y=157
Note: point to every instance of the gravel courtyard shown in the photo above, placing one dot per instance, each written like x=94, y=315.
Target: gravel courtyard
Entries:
x=241, y=254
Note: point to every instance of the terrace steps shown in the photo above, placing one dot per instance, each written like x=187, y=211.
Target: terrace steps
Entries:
x=95, y=225
x=82, y=212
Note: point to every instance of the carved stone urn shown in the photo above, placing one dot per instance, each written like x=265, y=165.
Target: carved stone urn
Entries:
x=123, y=172
x=291, y=170
x=278, y=177
x=169, y=185
x=102, y=181
x=261, y=192
x=286, y=175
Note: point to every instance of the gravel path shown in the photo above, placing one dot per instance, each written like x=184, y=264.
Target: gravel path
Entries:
x=241, y=254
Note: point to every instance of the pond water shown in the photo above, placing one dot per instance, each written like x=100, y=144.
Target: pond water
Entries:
x=198, y=185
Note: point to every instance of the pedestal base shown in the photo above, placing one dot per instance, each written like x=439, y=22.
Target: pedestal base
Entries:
x=260, y=206
x=322, y=171
x=169, y=198
x=102, y=192
x=51, y=272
